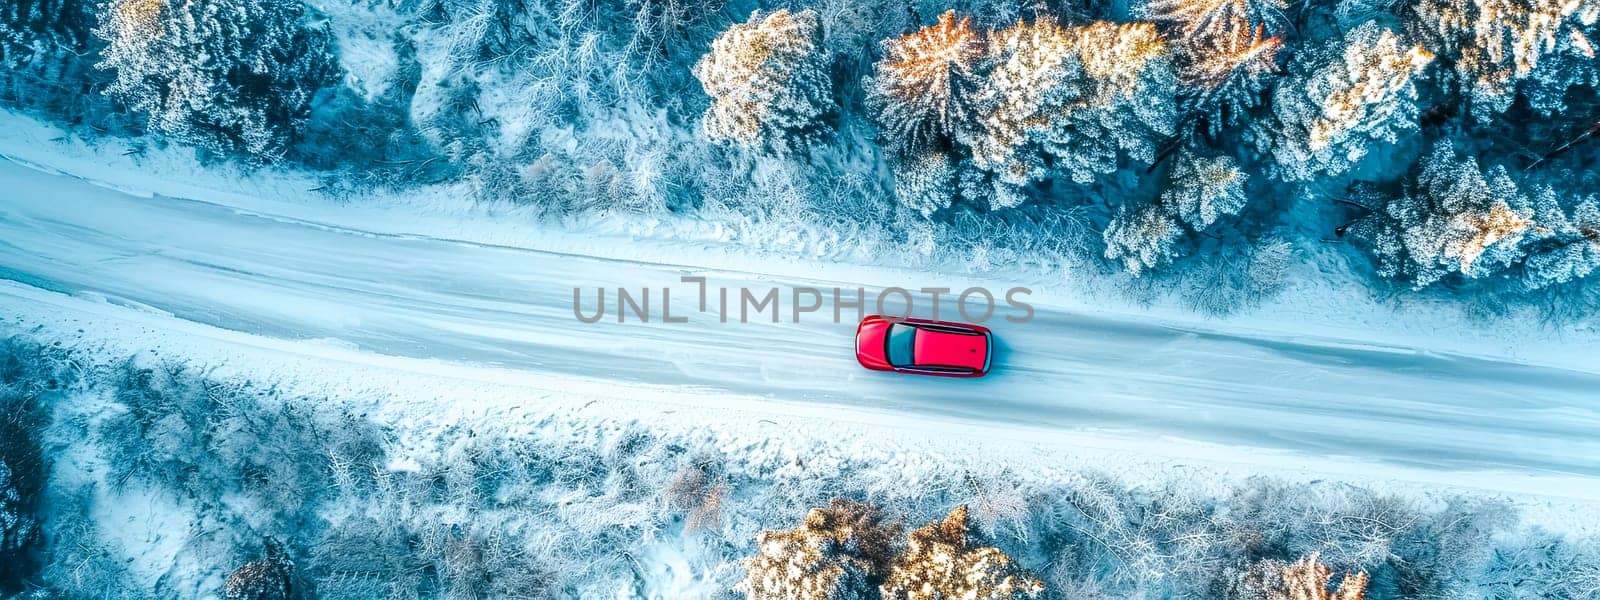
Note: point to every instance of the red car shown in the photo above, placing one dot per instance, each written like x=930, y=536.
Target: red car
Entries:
x=923, y=347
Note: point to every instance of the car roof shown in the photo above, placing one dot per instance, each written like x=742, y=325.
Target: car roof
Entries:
x=942, y=347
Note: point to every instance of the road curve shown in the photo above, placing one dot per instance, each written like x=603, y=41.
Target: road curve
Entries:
x=506, y=307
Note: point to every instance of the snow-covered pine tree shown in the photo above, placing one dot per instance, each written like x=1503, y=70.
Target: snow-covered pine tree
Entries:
x=1574, y=64
x=831, y=556
x=768, y=81
x=1202, y=18
x=1033, y=76
x=1342, y=103
x=925, y=181
x=1069, y=102
x=1570, y=246
x=1225, y=69
x=267, y=578
x=923, y=88
x=1305, y=579
x=1131, y=108
x=943, y=560
x=226, y=75
x=44, y=50
x=1200, y=190
x=1496, y=43
x=1143, y=238
x=1457, y=220
x=1224, y=51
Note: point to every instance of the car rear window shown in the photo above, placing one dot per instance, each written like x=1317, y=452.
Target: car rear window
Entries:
x=900, y=340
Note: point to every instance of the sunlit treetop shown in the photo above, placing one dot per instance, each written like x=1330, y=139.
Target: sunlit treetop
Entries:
x=1495, y=43
x=768, y=82
x=921, y=91
x=1209, y=17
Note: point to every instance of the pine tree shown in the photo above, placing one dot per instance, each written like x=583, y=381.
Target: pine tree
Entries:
x=1570, y=248
x=768, y=82
x=226, y=75
x=1305, y=579
x=1070, y=102
x=1033, y=76
x=1201, y=190
x=922, y=90
x=925, y=182
x=1225, y=70
x=1143, y=238
x=1224, y=51
x=1457, y=220
x=1202, y=18
x=1496, y=43
x=1131, y=107
x=942, y=561
x=831, y=556
x=1329, y=118
x=44, y=50
x=267, y=578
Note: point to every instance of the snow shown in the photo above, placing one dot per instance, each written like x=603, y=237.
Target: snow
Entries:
x=433, y=315
x=450, y=331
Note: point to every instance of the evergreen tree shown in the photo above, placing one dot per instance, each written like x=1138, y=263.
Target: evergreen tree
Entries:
x=224, y=75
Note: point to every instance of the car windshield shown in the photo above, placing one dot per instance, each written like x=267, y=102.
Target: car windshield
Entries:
x=900, y=340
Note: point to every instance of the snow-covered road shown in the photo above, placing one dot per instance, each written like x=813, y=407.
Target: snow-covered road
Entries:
x=511, y=308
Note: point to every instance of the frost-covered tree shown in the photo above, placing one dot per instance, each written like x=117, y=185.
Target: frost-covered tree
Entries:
x=1496, y=43
x=925, y=182
x=226, y=75
x=1457, y=220
x=1570, y=248
x=1200, y=189
x=1225, y=69
x=1024, y=104
x=1069, y=102
x=1238, y=276
x=1033, y=78
x=768, y=82
x=1573, y=67
x=699, y=493
x=1305, y=579
x=1460, y=221
x=1225, y=53
x=45, y=50
x=1143, y=238
x=267, y=578
x=1359, y=95
x=16, y=526
x=923, y=88
x=1553, y=566
x=833, y=555
x=1202, y=18
x=943, y=561
x=1131, y=107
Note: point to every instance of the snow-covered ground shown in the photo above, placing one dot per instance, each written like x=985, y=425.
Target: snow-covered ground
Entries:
x=423, y=310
